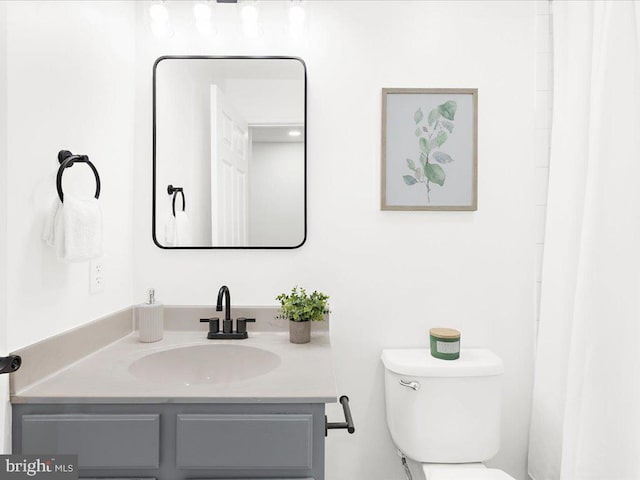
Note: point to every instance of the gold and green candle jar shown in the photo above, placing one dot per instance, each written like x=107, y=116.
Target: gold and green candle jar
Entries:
x=445, y=343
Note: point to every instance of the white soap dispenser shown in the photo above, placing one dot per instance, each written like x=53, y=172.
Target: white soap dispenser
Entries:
x=151, y=319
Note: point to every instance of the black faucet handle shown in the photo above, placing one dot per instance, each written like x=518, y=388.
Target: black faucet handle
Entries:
x=242, y=323
x=214, y=324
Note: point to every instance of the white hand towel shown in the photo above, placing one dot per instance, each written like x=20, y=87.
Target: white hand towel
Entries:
x=170, y=232
x=53, y=231
x=177, y=230
x=183, y=232
x=82, y=226
x=49, y=228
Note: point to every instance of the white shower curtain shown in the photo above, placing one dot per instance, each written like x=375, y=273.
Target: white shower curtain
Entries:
x=586, y=406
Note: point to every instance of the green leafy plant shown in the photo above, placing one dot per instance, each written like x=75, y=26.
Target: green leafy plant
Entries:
x=432, y=135
x=299, y=306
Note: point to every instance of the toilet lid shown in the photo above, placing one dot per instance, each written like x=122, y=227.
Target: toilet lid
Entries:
x=469, y=474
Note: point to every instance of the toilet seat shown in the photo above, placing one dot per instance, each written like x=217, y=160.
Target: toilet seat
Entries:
x=468, y=474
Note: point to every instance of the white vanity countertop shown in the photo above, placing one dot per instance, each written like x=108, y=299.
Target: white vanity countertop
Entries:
x=305, y=374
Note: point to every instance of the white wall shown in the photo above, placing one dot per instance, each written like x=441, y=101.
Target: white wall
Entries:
x=70, y=75
x=268, y=101
x=183, y=149
x=391, y=275
x=276, y=193
x=4, y=379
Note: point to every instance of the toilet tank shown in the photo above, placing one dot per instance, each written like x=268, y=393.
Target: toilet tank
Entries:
x=444, y=411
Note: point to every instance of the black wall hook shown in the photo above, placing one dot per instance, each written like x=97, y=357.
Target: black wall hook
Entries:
x=68, y=159
x=171, y=190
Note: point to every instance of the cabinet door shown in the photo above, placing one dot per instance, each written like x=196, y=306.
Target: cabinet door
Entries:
x=245, y=442
x=100, y=441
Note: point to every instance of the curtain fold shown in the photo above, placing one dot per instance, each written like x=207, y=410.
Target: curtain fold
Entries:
x=586, y=405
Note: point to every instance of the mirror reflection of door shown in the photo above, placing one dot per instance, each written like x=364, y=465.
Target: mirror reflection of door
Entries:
x=229, y=172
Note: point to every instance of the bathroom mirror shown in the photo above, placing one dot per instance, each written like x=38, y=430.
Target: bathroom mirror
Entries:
x=229, y=152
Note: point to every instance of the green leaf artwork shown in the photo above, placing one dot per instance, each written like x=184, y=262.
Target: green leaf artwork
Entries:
x=435, y=173
x=433, y=116
x=418, y=116
x=442, y=157
x=448, y=109
x=441, y=138
x=440, y=123
x=447, y=125
x=409, y=179
x=424, y=145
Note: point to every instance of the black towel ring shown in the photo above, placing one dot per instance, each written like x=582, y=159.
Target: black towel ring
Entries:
x=67, y=159
x=171, y=190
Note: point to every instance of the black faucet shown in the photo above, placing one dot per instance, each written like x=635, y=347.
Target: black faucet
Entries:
x=227, y=332
x=227, y=322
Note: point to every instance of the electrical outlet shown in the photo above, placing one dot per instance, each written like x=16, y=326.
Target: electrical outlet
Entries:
x=96, y=276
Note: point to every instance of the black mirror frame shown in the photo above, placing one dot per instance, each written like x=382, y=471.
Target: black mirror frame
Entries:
x=153, y=189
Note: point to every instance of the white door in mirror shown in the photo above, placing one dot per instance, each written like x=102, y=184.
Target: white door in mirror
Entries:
x=229, y=172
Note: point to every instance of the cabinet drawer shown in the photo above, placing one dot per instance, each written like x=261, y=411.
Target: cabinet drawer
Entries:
x=100, y=441
x=245, y=442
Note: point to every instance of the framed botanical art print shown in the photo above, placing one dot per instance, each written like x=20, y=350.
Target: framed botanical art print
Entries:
x=429, y=149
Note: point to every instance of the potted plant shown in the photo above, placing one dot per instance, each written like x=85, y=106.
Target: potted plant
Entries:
x=301, y=309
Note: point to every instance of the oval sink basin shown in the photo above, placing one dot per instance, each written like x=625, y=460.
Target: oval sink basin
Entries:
x=200, y=364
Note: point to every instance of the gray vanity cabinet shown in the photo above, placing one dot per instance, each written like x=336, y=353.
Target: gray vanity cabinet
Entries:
x=100, y=441
x=168, y=441
x=248, y=442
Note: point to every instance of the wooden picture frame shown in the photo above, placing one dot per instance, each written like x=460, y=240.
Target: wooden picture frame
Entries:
x=429, y=149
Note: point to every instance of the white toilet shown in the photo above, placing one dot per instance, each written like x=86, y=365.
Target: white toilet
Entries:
x=445, y=414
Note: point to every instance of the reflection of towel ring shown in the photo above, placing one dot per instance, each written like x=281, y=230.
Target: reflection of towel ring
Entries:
x=67, y=159
x=171, y=190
